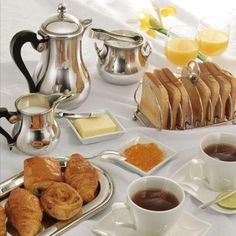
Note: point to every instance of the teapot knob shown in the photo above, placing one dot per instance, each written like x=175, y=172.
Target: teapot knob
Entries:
x=61, y=9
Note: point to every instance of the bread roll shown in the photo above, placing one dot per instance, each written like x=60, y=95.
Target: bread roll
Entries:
x=154, y=102
x=24, y=212
x=61, y=201
x=82, y=176
x=40, y=173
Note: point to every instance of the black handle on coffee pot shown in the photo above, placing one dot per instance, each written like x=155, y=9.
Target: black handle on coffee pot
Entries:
x=17, y=43
x=12, y=118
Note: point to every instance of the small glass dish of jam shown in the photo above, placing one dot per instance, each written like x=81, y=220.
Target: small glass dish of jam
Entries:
x=144, y=155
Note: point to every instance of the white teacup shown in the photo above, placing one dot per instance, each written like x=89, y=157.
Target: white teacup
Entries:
x=149, y=222
x=220, y=175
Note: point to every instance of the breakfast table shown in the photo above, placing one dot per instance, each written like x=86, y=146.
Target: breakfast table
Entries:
x=119, y=100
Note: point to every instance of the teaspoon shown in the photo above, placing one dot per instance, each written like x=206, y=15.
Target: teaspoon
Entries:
x=109, y=155
x=217, y=199
x=104, y=35
x=105, y=155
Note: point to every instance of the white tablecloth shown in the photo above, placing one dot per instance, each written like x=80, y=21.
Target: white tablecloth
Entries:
x=118, y=99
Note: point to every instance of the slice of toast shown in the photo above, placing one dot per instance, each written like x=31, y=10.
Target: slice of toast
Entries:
x=214, y=87
x=205, y=94
x=218, y=71
x=173, y=93
x=225, y=89
x=154, y=102
x=185, y=102
x=199, y=95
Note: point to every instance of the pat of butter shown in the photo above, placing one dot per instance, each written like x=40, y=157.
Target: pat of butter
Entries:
x=95, y=126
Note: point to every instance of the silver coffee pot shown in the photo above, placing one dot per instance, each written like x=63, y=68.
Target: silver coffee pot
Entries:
x=35, y=130
x=61, y=68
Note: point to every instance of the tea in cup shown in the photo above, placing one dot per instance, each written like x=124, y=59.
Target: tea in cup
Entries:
x=154, y=205
x=218, y=157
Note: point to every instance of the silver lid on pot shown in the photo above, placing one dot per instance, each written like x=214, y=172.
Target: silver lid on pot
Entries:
x=61, y=24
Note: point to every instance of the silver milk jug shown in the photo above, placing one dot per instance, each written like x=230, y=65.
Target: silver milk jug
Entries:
x=61, y=68
x=35, y=130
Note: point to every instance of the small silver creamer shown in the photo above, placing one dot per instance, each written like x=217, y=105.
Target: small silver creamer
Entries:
x=35, y=129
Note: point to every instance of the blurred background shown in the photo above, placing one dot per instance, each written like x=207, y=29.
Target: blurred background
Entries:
x=110, y=14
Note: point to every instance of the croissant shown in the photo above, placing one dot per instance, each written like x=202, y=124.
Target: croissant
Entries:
x=82, y=176
x=3, y=230
x=24, y=212
x=41, y=172
x=61, y=201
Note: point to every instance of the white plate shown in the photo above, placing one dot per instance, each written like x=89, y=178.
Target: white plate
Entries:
x=186, y=225
x=189, y=177
x=168, y=154
x=99, y=138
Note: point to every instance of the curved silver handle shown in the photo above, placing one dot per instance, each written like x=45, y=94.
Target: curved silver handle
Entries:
x=146, y=49
x=231, y=109
x=234, y=118
x=102, y=53
x=210, y=112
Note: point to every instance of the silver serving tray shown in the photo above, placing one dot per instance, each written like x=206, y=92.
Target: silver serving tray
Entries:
x=102, y=200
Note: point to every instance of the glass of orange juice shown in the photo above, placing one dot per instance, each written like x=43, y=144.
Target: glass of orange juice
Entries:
x=213, y=36
x=181, y=45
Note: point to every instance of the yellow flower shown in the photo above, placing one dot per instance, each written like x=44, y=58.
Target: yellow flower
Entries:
x=144, y=22
x=154, y=23
x=151, y=33
x=151, y=24
x=148, y=22
x=167, y=11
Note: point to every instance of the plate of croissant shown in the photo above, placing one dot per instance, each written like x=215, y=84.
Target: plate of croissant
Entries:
x=52, y=195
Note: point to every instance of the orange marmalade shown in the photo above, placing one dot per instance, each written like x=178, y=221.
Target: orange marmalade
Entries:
x=144, y=156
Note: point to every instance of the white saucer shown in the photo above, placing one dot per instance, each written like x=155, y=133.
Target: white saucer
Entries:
x=189, y=177
x=185, y=226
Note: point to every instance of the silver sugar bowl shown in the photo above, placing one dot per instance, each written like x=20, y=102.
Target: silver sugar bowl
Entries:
x=123, y=58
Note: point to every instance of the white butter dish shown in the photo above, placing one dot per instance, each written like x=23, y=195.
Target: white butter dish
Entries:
x=102, y=137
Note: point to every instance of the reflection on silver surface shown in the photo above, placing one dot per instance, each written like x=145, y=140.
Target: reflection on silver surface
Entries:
x=37, y=133
x=62, y=70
